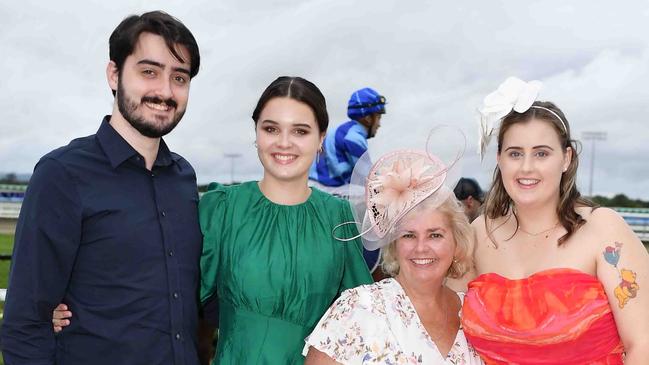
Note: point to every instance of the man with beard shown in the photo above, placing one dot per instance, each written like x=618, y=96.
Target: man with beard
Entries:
x=109, y=222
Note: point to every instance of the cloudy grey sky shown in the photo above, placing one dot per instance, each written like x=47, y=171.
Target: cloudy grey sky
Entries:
x=434, y=61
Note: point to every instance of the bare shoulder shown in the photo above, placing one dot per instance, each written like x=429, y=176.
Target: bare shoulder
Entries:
x=598, y=213
x=603, y=220
x=487, y=229
x=605, y=232
x=479, y=226
x=478, y=223
x=479, y=234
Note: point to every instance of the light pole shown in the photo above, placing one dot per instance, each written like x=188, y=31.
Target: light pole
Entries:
x=592, y=136
x=232, y=156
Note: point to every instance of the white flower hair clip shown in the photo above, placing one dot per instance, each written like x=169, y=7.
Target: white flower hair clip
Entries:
x=513, y=94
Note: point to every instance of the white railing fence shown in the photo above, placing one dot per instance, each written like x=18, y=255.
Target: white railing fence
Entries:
x=10, y=210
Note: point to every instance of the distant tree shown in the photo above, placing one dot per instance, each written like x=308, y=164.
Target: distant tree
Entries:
x=601, y=200
x=10, y=178
x=620, y=200
x=642, y=203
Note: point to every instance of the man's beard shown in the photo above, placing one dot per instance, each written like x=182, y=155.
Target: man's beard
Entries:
x=128, y=108
x=371, y=132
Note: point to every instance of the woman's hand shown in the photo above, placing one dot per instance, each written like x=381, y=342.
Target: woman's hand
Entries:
x=60, y=316
x=316, y=357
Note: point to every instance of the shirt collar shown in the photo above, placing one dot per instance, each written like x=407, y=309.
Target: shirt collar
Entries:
x=363, y=129
x=165, y=157
x=118, y=150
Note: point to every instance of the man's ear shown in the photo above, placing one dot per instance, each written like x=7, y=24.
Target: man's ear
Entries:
x=469, y=201
x=112, y=75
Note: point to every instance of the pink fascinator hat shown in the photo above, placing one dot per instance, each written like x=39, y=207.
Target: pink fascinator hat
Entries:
x=384, y=191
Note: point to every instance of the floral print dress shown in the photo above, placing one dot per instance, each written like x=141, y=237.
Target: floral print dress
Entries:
x=377, y=324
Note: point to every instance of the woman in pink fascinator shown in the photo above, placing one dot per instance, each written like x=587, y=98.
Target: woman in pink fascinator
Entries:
x=406, y=205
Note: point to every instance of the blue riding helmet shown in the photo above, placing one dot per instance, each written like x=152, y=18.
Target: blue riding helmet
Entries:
x=364, y=102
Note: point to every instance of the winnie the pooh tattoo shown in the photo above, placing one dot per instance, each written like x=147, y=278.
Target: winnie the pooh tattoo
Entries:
x=627, y=289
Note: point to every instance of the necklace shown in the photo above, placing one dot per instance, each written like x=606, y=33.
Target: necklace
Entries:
x=547, y=231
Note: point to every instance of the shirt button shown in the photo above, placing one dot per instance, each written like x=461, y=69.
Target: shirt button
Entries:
x=177, y=336
x=175, y=295
x=171, y=253
x=152, y=174
x=162, y=213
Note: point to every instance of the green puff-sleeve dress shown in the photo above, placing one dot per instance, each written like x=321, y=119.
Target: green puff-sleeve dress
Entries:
x=274, y=268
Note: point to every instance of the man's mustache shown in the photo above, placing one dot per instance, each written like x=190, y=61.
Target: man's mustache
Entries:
x=155, y=100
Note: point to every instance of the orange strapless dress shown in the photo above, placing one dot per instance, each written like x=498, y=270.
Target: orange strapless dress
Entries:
x=556, y=316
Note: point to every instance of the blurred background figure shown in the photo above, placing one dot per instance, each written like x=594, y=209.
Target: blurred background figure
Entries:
x=468, y=192
x=343, y=146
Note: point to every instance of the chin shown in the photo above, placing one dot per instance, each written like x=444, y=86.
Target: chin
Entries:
x=536, y=200
x=288, y=176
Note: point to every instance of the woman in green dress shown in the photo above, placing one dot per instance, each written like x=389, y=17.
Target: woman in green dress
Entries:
x=269, y=256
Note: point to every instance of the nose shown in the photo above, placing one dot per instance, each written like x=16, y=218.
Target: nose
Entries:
x=527, y=163
x=421, y=244
x=284, y=140
x=164, y=90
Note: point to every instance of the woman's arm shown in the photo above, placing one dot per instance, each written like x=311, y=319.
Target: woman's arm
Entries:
x=623, y=269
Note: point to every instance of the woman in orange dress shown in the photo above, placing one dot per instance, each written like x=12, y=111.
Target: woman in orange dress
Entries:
x=558, y=280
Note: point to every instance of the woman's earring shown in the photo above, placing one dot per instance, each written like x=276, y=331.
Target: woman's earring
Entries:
x=255, y=144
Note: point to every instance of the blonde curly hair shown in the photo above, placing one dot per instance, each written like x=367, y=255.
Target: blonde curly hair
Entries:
x=462, y=233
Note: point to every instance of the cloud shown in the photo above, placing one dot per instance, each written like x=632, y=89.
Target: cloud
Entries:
x=433, y=61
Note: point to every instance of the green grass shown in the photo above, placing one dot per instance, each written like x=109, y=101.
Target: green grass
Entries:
x=6, y=243
x=6, y=247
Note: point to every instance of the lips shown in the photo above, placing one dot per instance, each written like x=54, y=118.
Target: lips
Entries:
x=283, y=158
x=160, y=107
x=424, y=261
x=158, y=104
x=527, y=183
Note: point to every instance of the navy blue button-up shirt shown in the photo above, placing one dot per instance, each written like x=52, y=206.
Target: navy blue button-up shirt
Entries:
x=119, y=244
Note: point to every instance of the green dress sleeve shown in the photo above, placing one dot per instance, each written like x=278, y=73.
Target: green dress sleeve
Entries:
x=211, y=213
x=355, y=271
